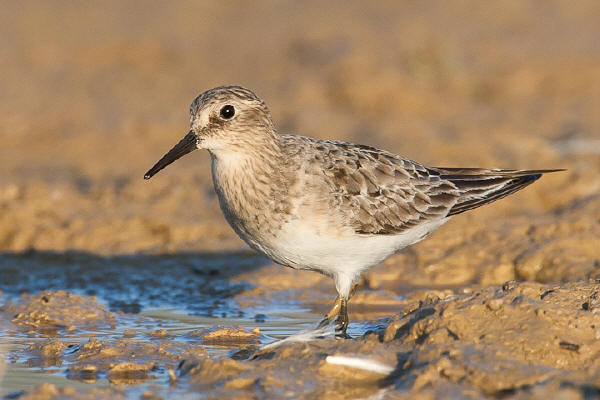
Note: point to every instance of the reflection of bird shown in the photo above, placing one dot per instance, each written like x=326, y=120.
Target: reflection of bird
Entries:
x=333, y=207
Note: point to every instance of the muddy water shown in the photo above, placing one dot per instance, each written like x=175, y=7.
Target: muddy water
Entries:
x=196, y=283
x=157, y=308
x=233, y=325
x=23, y=372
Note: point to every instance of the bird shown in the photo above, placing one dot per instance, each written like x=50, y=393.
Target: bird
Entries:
x=329, y=206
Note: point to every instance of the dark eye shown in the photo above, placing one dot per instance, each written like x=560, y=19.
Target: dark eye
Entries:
x=227, y=112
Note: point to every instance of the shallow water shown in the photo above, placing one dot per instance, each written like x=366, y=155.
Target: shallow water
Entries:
x=20, y=375
x=179, y=294
x=197, y=283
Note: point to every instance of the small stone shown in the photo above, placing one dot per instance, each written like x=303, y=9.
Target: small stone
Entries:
x=159, y=333
x=230, y=335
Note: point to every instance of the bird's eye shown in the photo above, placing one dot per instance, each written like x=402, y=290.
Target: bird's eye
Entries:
x=227, y=112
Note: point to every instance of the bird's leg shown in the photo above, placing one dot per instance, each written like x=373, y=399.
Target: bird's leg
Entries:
x=332, y=313
x=339, y=310
x=352, y=290
x=341, y=322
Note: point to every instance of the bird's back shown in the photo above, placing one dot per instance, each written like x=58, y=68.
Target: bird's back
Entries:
x=376, y=192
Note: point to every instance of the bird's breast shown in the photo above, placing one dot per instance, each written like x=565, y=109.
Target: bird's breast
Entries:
x=252, y=198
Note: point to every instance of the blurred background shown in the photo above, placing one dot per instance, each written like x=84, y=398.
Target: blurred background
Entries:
x=92, y=96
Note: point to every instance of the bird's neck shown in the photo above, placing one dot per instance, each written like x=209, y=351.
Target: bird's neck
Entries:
x=250, y=185
x=253, y=159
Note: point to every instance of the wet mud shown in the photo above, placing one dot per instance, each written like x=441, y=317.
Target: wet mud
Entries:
x=115, y=287
x=520, y=338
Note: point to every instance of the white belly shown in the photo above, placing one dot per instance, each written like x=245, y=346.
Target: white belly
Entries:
x=342, y=257
x=307, y=250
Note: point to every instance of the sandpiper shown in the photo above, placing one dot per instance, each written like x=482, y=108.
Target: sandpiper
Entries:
x=328, y=206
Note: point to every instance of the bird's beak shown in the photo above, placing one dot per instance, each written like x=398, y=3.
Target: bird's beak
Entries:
x=185, y=145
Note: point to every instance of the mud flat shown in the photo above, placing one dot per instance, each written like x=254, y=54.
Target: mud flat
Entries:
x=519, y=339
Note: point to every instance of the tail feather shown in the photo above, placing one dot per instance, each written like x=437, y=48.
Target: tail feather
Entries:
x=479, y=186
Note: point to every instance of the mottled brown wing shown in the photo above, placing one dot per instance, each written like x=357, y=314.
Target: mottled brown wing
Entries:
x=379, y=192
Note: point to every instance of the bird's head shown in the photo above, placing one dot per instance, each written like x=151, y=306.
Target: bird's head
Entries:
x=223, y=119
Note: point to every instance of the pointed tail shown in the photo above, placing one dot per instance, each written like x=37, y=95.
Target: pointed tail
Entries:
x=479, y=186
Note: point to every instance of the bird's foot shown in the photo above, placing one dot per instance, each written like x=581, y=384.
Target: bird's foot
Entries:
x=341, y=322
x=339, y=311
x=324, y=322
x=342, y=335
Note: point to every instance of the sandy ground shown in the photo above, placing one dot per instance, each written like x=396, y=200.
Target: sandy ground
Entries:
x=92, y=96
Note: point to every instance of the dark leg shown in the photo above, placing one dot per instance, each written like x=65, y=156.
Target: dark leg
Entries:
x=339, y=310
x=341, y=323
x=335, y=310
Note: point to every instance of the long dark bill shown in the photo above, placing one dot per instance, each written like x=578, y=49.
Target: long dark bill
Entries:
x=185, y=145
